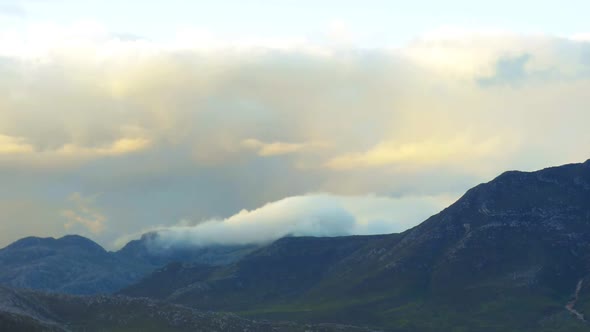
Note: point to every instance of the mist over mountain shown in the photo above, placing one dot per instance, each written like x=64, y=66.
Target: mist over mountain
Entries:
x=296, y=166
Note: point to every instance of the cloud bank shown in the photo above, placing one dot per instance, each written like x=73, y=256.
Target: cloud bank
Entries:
x=201, y=128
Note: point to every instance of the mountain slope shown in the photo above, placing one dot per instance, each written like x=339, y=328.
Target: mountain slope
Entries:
x=281, y=271
x=506, y=256
x=71, y=264
x=148, y=252
x=30, y=311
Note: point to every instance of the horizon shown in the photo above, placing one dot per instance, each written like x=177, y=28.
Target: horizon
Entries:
x=251, y=120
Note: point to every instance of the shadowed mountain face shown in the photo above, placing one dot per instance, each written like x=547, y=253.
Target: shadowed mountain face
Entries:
x=76, y=265
x=507, y=256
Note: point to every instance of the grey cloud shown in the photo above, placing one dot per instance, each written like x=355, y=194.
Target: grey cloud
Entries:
x=508, y=70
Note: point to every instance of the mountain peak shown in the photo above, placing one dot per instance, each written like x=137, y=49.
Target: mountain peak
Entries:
x=79, y=241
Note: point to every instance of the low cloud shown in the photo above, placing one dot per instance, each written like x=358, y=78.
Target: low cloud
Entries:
x=309, y=215
x=119, y=147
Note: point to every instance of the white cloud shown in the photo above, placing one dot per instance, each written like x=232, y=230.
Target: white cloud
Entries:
x=119, y=147
x=309, y=215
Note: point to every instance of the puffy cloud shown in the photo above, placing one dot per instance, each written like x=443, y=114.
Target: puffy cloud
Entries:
x=308, y=215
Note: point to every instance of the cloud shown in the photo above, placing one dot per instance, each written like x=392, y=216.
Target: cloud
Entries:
x=426, y=152
x=509, y=70
x=14, y=145
x=84, y=213
x=204, y=127
x=583, y=37
x=12, y=10
x=272, y=149
x=339, y=32
x=309, y=215
x=119, y=147
x=278, y=148
x=20, y=151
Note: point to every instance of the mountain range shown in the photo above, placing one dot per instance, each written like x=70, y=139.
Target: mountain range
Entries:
x=512, y=254
x=77, y=265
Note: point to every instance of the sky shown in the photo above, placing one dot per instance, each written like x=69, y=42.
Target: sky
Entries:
x=245, y=121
